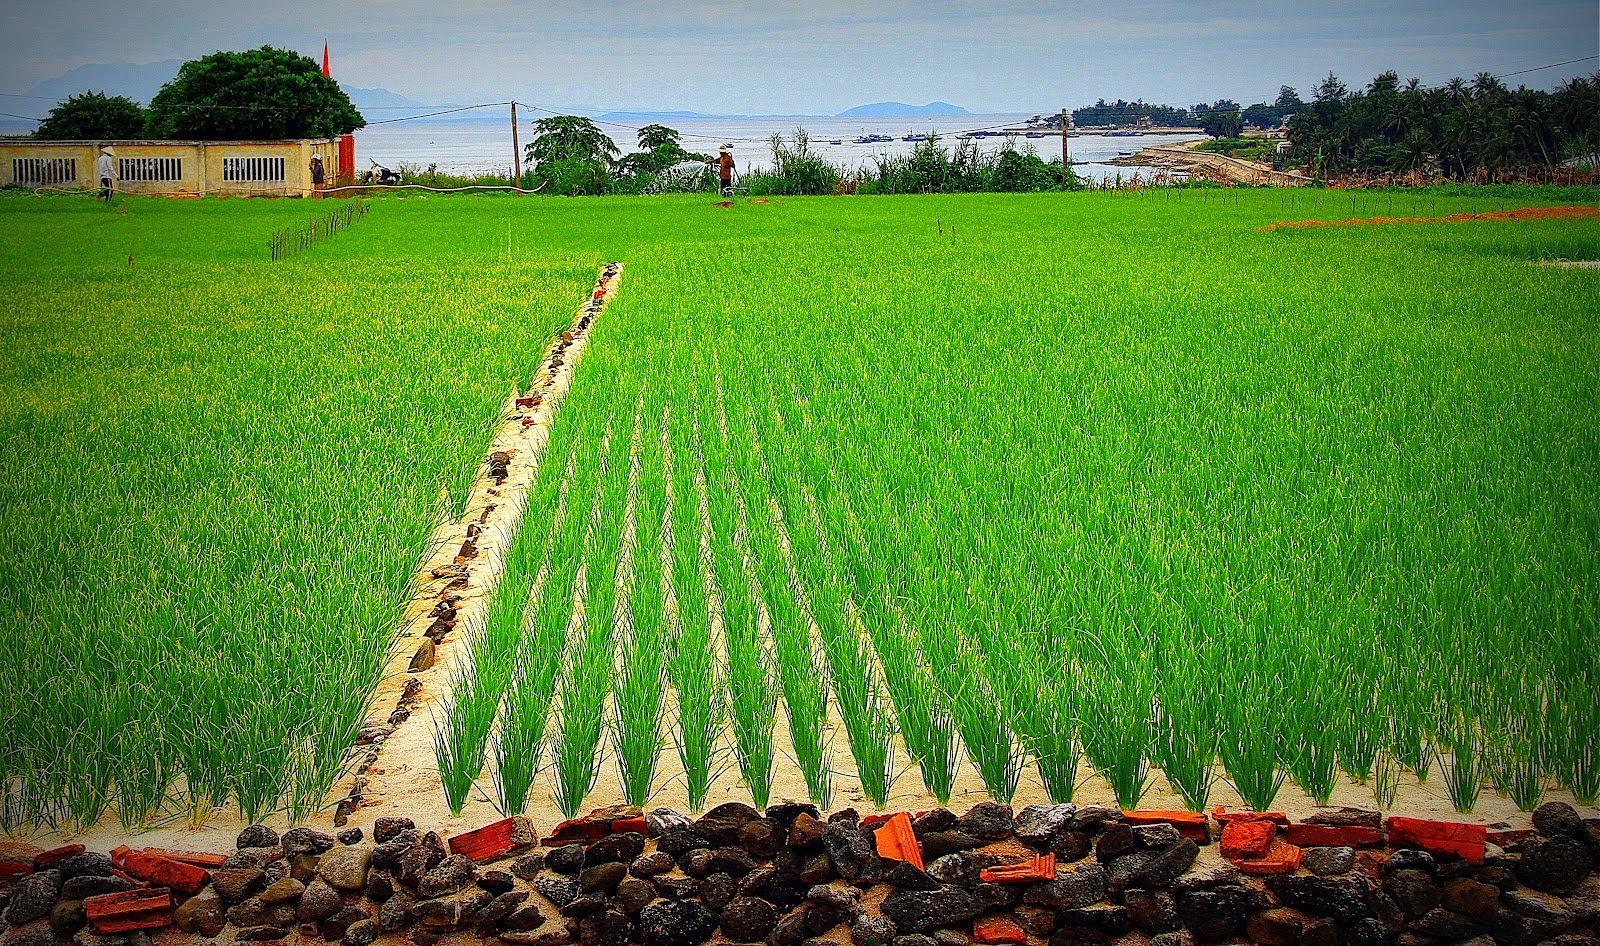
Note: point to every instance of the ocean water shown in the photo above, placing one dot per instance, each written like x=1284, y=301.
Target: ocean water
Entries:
x=462, y=147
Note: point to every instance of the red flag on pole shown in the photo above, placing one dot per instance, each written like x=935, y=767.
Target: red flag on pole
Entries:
x=325, y=59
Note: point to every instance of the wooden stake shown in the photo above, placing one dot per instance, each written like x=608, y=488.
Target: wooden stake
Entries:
x=1066, y=118
x=516, y=153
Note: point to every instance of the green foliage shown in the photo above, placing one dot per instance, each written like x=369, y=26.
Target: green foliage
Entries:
x=92, y=115
x=1461, y=130
x=1125, y=114
x=264, y=93
x=569, y=138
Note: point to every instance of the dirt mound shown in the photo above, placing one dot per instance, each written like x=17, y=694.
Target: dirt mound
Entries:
x=1530, y=213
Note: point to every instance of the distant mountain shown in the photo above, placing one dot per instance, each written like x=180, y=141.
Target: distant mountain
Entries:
x=901, y=109
x=138, y=82
x=670, y=116
x=381, y=99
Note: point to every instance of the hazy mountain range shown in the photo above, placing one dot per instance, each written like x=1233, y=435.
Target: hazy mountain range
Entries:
x=140, y=82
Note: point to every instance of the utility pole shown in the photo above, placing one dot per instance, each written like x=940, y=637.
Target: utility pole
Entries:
x=516, y=152
x=1066, y=118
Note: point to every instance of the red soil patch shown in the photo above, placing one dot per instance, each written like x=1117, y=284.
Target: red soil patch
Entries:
x=1531, y=213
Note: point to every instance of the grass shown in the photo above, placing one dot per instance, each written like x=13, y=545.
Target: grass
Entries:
x=1118, y=474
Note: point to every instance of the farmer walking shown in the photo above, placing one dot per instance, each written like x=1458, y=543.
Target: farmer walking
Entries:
x=105, y=170
x=725, y=169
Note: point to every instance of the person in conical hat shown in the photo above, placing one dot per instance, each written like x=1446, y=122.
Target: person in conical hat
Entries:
x=106, y=170
x=725, y=169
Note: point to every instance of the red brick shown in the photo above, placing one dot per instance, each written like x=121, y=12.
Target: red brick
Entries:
x=137, y=921
x=1190, y=824
x=897, y=842
x=1247, y=839
x=196, y=858
x=13, y=870
x=1040, y=867
x=1510, y=840
x=578, y=829
x=636, y=825
x=997, y=929
x=1324, y=835
x=161, y=871
x=1439, y=837
x=1223, y=815
x=1282, y=858
x=494, y=841
x=131, y=910
x=56, y=855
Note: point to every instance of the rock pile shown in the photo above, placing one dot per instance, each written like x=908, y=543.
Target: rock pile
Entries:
x=1060, y=875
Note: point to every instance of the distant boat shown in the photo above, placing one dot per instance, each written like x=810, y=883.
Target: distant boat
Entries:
x=1034, y=134
x=836, y=141
x=915, y=137
x=873, y=139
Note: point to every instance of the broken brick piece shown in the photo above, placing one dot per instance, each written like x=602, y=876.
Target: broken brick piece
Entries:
x=144, y=909
x=1039, y=867
x=997, y=929
x=1510, y=840
x=56, y=855
x=203, y=859
x=160, y=871
x=12, y=870
x=636, y=825
x=1439, y=837
x=1276, y=817
x=494, y=841
x=526, y=401
x=1190, y=824
x=577, y=829
x=1281, y=858
x=1327, y=835
x=137, y=921
x=896, y=841
x=1247, y=839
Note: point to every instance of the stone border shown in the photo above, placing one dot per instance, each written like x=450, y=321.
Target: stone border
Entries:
x=1049, y=875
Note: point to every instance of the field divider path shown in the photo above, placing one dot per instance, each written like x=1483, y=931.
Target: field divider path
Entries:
x=456, y=581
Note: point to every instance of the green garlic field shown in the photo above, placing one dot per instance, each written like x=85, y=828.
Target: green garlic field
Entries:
x=992, y=483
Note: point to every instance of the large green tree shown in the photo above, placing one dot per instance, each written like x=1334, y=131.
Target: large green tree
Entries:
x=569, y=138
x=262, y=93
x=93, y=115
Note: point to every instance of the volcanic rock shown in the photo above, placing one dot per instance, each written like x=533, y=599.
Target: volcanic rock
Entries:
x=558, y=890
x=257, y=835
x=748, y=919
x=1554, y=864
x=453, y=873
x=918, y=911
x=617, y=847
x=1071, y=890
x=1329, y=861
x=385, y=830
x=1413, y=890
x=92, y=885
x=1215, y=915
x=32, y=897
x=870, y=930
x=988, y=820
x=567, y=859
x=632, y=895
x=607, y=928
x=297, y=841
x=936, y=844
x=675, y=923
x=1346, y=899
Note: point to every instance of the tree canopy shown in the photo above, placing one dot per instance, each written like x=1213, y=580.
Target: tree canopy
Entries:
x=93, y=115
x=262, y=93
x=569, y=138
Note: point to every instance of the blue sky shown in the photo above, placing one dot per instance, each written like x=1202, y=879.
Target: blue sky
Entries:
x=822, y=56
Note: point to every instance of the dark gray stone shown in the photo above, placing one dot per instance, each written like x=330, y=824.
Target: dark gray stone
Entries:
x=567, y=859
x=351, y=836
x=1071, y=889
x=235, y=884
x=1156, y=837
x=453, y=874
x=617, y=847
x=607, y=928
x=676, y=888
x=298, y=841
x=918, y=911
x=675, y=923
x=1414, y=890
x=602, y=877
x=558, y=890
x=785, y=813
x=950, y=938
x=779, y=888
x=906, y=876
x=32, y=897
x=748, y=919
x=257, y=835
x=395, y=914
x=1035, y=825
x=1346, y=899
x=939, y=819
x=361, y=933
x=716, y=891
x=89, y=863
x=525, y=918
x=1443, y=924
x=1215, y=915
x=385, y=830
x=1116, y=840
x=91, y=885
x=497, y=881
x=252, y=912
x=1408, y=859
x=202, y=913
x=936, y=844
x=954, y=869
x=988, y=820
x=632, y=895
x=528, y=866
x=1556, y=819
x=1554, y=864
x=870, y=930
x=1330, y=861
x=852, y=851
x=1152, y=911
x=1108, y=918
x=67, y=917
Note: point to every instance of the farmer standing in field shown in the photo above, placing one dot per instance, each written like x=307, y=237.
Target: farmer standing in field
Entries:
x=105, y=170
x=725, y=169
x=319, y=177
